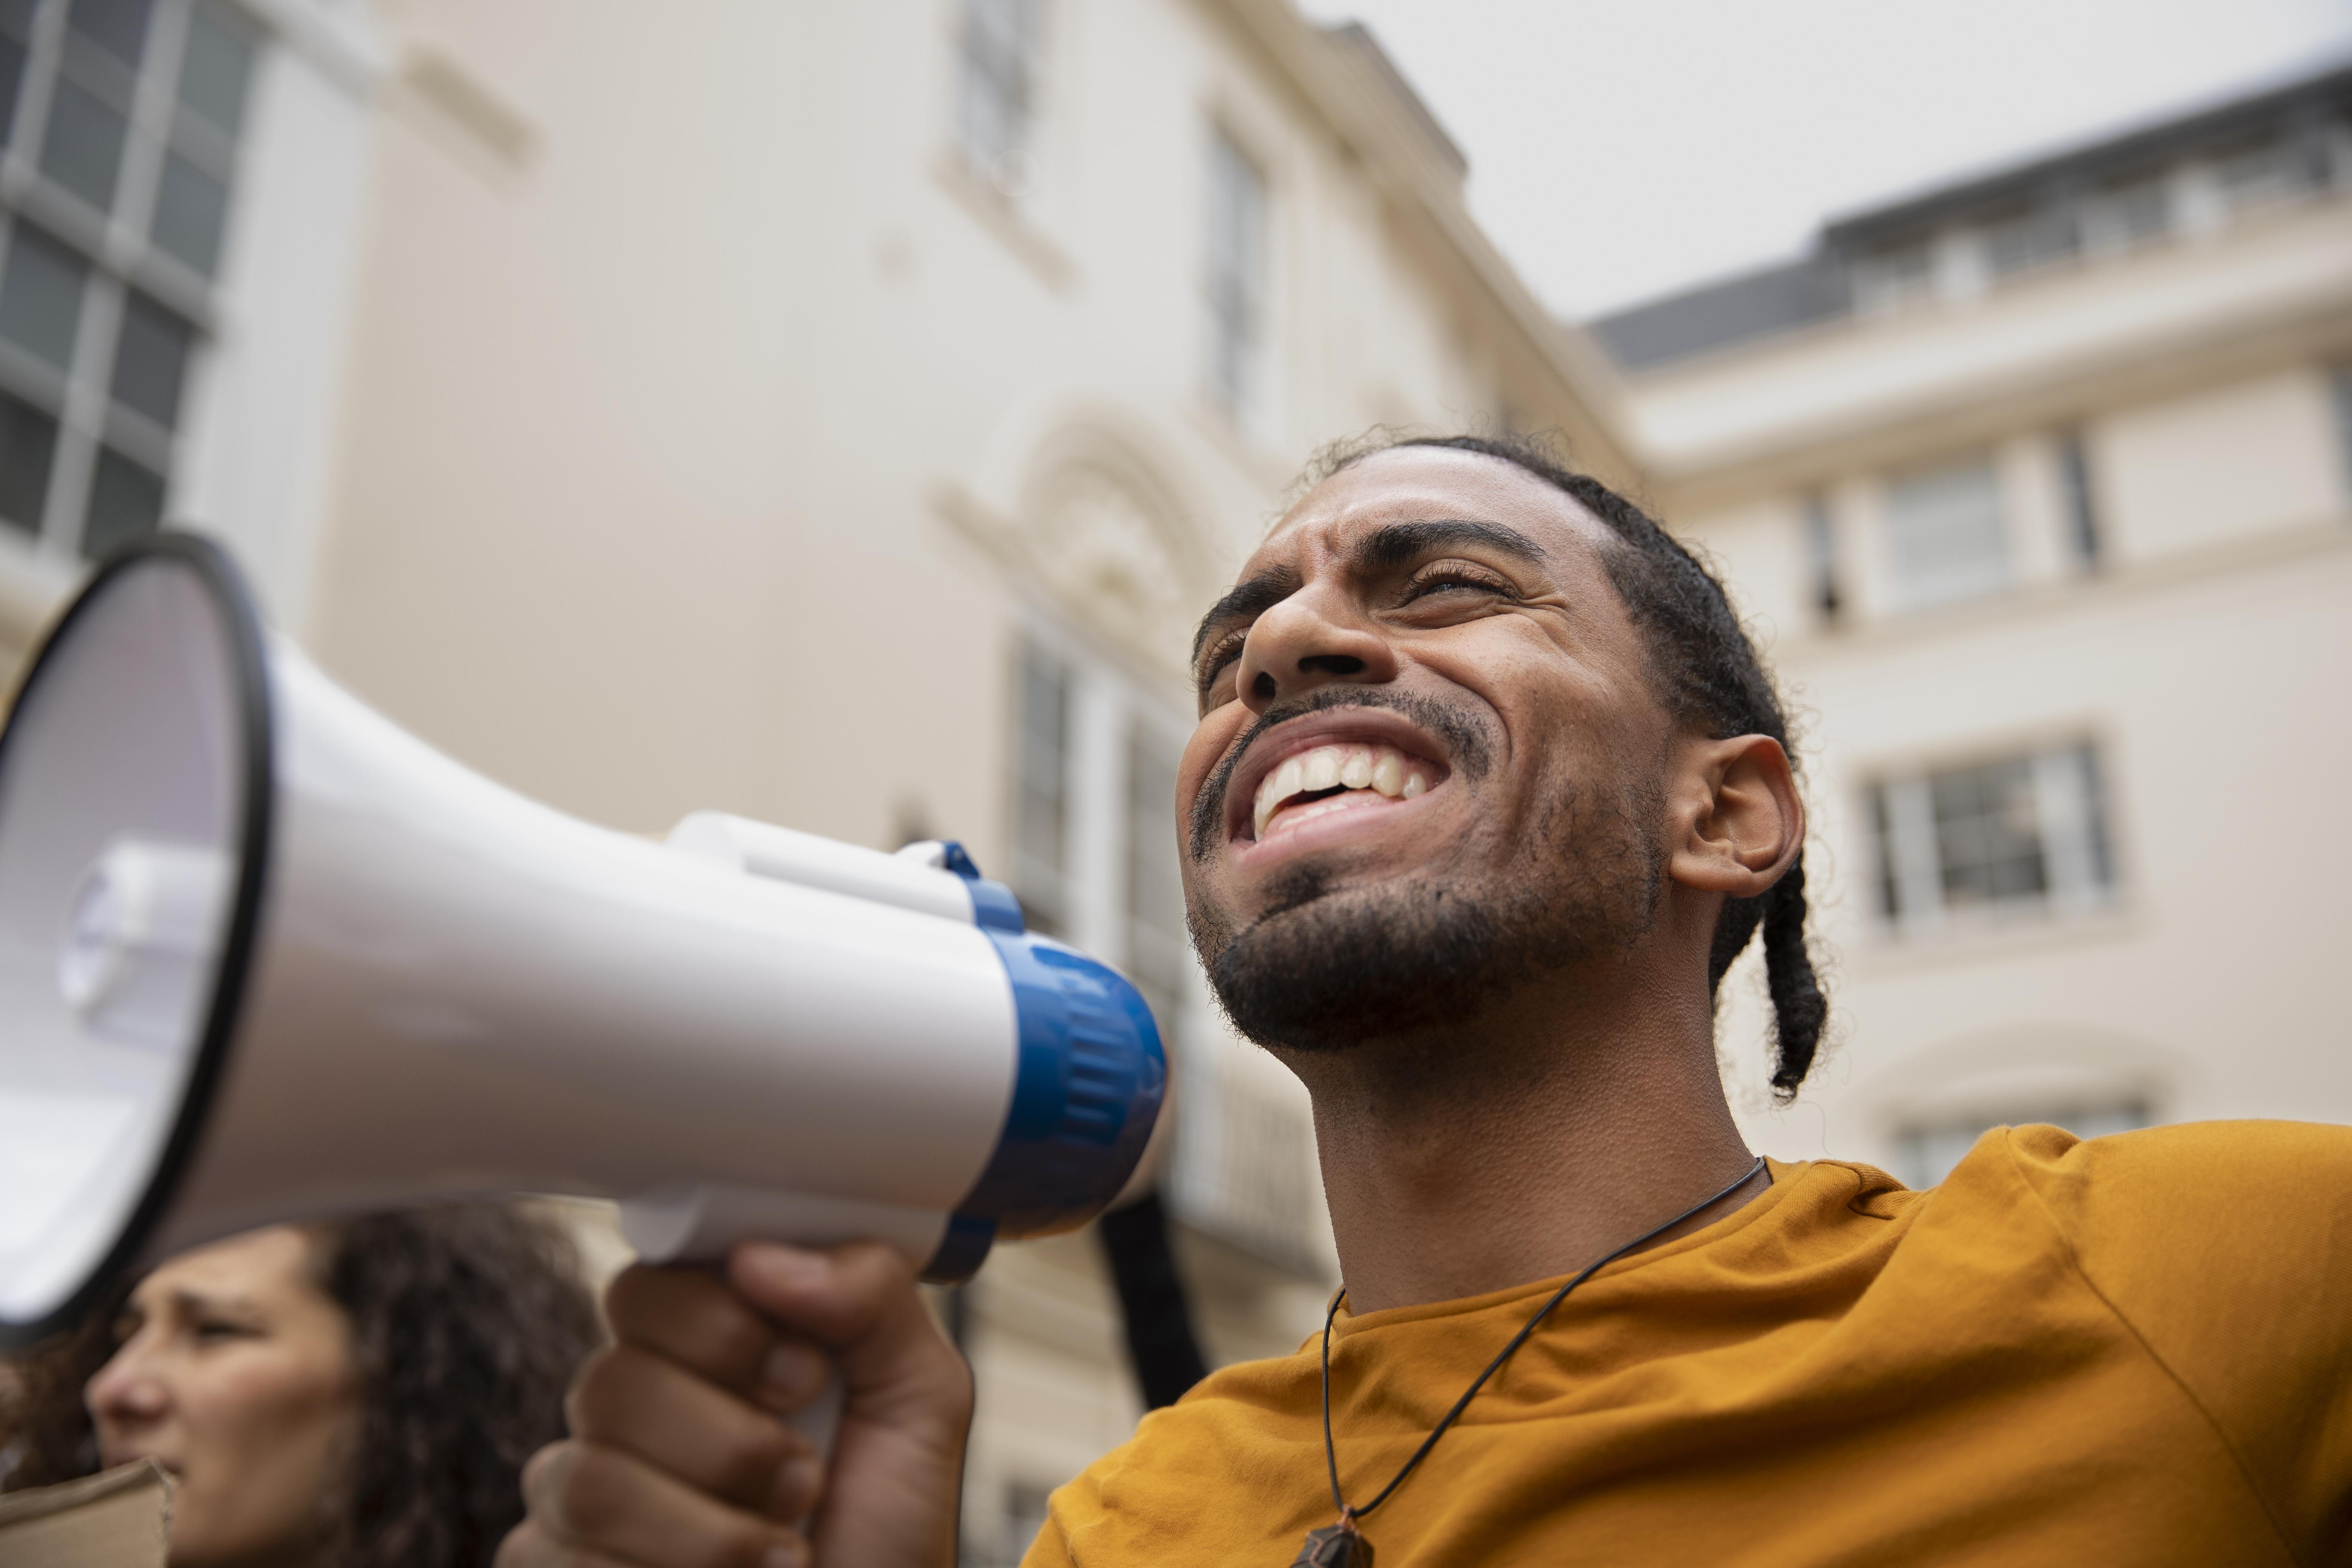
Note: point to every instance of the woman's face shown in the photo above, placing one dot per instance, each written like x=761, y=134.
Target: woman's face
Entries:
x=235, y=1373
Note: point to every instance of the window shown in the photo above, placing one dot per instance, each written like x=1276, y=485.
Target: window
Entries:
x=1926, y=1154
x=2029, y=237
x=1896, y=274
x=2081, y=504
x=2026, y=832
x=1041, y=836
x=1157, y=952
x=2136, y=210
x=121, y=121
x=2262, y=172
x=1947, y=537
x=1821, y=556
x=1236, y=276
x=2340, y=383
x=996, y=83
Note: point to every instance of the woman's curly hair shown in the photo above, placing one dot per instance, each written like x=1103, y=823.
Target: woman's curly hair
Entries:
x=467, y=1322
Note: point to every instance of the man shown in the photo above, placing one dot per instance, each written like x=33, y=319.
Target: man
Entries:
x=1487, y=791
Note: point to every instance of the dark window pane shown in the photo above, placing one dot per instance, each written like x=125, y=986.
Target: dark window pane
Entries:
x=40, y=296
x=27, y=436
x=151, y=360
x=118, y=26
x=1988, y=833
x=213, y=79
x=1882, y=825
x=126, y=502
x=191, y=210
x=83, y=149
x=12, y=75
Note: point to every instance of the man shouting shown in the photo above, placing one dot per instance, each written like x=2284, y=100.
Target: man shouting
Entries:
x=1489, y=789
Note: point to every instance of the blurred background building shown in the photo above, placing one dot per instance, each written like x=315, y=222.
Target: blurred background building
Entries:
x=837, y=415
x=2039, y=485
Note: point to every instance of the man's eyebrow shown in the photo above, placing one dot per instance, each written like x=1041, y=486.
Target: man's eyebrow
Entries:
x=1253, y=597
x=1399, y=543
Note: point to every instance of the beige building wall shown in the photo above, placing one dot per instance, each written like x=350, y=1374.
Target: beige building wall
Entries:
x=2203, y=653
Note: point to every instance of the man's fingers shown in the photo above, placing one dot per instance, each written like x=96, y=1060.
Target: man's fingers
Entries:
x=676, y=1420
x=691, y=1317
x=595, y=1500
x=858, y=1300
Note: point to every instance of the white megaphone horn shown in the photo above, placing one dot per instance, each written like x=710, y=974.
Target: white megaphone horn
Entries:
x=265, y=955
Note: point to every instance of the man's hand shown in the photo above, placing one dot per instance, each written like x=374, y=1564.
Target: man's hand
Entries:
x=678, y=1457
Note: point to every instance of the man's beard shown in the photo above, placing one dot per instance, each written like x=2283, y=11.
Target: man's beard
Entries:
x=1324, y=968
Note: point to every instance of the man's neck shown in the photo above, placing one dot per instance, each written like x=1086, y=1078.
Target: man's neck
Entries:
x=1558, y=1128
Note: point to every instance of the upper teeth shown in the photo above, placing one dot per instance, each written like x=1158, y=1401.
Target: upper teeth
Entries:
x=1382, y=768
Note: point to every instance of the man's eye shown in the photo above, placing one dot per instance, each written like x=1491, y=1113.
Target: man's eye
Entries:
x=1221, y=653
x=221, y=1329
x=1442, y=581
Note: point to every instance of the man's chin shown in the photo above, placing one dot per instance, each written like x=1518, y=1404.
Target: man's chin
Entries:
x=1324, y=969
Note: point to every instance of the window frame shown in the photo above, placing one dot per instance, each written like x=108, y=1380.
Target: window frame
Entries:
x=1912, y=532
x=1237, y=301
x=2077, y=836
x=101, y=437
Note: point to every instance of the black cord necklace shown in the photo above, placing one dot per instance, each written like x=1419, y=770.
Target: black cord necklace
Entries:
x=1342, y=1545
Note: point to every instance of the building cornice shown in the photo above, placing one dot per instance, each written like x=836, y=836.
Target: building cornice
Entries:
x=1364, y=112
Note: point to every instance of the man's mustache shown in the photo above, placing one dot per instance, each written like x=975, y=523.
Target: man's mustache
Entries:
x=1464, y=733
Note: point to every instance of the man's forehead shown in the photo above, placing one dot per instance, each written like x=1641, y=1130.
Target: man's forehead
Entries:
x=1421, y=484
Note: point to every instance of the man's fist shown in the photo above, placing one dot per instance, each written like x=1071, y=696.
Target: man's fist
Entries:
x=679, y=1457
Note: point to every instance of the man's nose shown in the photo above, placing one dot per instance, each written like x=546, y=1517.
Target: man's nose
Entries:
x=1313, y=638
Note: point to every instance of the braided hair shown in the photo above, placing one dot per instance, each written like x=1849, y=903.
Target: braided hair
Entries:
x=1704, y=671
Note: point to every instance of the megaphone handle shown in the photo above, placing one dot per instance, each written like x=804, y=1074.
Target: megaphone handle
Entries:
x=820, y=1419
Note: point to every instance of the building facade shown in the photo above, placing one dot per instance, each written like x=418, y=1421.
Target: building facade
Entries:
x=2039, y=487
x=835, y=415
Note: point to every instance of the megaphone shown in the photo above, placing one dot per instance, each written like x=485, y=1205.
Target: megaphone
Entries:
x=264, y=955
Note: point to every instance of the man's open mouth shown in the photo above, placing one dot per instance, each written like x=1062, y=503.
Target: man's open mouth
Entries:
x=1322, y=779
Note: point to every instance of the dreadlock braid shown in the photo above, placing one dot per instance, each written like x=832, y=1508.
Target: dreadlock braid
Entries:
x=1705, y=672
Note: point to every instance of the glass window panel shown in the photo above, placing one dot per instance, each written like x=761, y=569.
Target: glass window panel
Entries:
x=40, y=296
x=219, y=64
x=1948, y=544
x=2140, y=209
x=16, y=18
x=151, y=360
x=118, y=26
x=1155, y=889
x=126, y=502
x=2029, y=238
x=1988, y=833
x=1882, y=827
x=1236, y=271
x=191, y=212
x=12, y=76
x=2081, y=505
x=83, y=149
x=2340, y=385
x=2262, y=173
x=997, y=46
x=1042, y=830
x=27, y=438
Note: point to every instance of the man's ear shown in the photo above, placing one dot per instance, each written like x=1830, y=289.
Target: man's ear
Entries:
x=1737, y=821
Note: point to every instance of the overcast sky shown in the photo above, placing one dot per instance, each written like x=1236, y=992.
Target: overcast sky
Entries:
x=1618, y=151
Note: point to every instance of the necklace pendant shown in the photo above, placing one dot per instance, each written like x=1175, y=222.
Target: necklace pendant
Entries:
x=1334, y=1546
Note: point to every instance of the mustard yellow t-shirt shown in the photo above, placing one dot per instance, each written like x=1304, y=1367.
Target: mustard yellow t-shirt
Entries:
x=2137, y=1350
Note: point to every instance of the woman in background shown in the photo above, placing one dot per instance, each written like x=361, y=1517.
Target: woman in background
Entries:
x=355, y=1394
